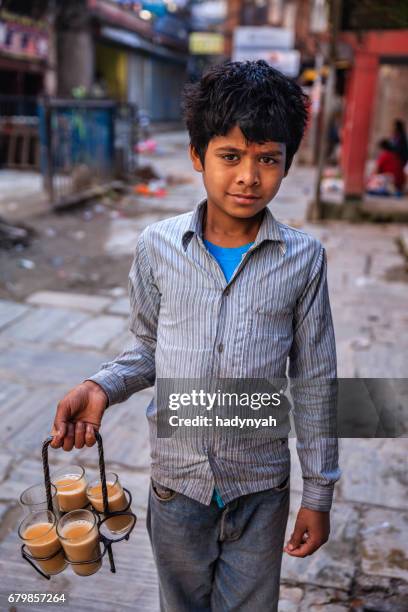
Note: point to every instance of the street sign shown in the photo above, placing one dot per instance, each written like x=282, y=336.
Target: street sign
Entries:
x=263, y=37
x=23, y=37
x=206, y=43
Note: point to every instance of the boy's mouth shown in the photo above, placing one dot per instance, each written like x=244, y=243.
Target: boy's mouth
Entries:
x=244, y=198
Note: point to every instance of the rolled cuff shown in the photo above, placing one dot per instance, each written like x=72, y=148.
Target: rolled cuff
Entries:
x=112, y=384
x=317, y=497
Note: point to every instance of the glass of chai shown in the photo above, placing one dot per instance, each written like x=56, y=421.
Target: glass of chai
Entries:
x=79, y=537
x=116, y=499
x=38, y=531
x=34, y=499
x=71, y=487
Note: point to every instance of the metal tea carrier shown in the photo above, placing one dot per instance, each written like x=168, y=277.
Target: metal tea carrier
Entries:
x=105, y=541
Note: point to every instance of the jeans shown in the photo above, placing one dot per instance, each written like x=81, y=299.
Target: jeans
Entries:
x=212, y=559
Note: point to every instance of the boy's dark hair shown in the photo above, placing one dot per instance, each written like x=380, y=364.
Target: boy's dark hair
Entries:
x=263, y=102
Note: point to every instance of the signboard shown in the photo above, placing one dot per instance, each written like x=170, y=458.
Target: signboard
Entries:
x=23, y=37
x=206, y=43
x=264, y=37
x=209, y=11
x=287, y=62
x=274, y=45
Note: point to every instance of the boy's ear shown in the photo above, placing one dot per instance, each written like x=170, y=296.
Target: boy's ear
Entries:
x=197, y=165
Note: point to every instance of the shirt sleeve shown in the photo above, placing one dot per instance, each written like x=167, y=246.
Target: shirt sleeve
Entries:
x=313, y=377
x=134, y=369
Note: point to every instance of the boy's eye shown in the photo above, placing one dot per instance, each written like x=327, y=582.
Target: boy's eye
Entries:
x=228, y=156
x=269, y=161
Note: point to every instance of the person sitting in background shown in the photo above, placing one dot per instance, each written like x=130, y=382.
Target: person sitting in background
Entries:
x=399, y=141
x=388, y=178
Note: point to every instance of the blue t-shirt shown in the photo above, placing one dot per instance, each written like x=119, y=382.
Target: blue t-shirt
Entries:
x=229, y=259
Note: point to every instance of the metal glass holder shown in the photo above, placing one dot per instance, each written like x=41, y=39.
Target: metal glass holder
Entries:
x=101, y=516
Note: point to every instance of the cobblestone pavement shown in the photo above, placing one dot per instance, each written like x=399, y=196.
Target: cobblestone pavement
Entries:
x=54, y=340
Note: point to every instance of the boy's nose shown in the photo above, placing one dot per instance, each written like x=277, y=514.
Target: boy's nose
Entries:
x=248, y=175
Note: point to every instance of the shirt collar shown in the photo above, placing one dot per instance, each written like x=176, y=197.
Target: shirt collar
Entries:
x=269, y=229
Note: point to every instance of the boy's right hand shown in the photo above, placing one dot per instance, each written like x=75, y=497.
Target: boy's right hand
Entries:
x=79, y=413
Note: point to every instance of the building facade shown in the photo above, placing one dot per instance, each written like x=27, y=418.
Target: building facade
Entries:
x=128, y=54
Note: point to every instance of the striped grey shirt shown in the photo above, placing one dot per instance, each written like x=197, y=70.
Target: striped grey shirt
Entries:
x=190, y=323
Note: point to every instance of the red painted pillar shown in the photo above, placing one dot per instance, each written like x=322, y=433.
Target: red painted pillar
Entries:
x=356, y=128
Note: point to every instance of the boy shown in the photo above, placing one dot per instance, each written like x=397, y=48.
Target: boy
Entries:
x=227, y=292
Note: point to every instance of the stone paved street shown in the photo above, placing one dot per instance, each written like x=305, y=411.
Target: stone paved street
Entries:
x=53, y=340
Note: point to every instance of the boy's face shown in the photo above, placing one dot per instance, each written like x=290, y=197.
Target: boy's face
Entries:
x=240, y=178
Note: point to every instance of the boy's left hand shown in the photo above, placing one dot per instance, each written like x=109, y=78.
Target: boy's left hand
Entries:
x=311, y=531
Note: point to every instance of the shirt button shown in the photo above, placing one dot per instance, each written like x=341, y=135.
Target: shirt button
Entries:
x=227, y=291
x=220, y=347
